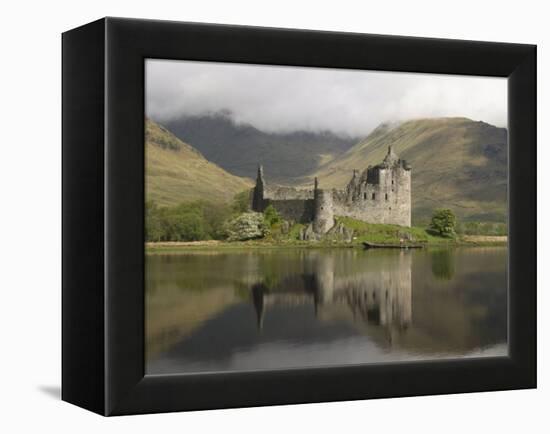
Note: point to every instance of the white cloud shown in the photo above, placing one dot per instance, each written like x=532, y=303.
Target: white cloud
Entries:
x=281, y=98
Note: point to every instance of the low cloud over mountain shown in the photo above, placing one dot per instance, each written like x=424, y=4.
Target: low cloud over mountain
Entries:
x=287, y=99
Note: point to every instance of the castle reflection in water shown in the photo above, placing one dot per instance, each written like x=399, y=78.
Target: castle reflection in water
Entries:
x=377, y=297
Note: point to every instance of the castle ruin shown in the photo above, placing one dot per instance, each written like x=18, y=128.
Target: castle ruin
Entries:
x=380, y=194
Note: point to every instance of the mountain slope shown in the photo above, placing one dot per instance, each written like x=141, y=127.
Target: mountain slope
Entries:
x=239, y=148
x=175, y=172
x=456, y=163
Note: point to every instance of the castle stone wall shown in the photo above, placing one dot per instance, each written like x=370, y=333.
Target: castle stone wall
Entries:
x=300, y=211
x=387, y=202
x=286, y=193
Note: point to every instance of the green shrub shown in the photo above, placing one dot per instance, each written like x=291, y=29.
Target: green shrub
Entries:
x=271, y=216
x=443, y=222
x=185, y=227
x=246, y=226
x=191, y=221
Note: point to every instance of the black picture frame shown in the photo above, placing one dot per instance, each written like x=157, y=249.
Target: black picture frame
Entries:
x=103, y=222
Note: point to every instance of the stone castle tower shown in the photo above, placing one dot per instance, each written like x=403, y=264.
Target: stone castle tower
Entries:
x=380, y=194
x=323, y=215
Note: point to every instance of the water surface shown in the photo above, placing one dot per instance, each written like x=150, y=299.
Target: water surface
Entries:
x=228, y=310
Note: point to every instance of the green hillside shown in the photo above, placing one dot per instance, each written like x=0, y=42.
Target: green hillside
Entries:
x=456, y=163
x=175, y=172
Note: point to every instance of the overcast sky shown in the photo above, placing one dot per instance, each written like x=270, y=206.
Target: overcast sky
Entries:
x=280, y=98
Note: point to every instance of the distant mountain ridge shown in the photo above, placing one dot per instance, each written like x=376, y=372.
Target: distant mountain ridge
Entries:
x=457, y=163
x=239, y=148
x=175, y=172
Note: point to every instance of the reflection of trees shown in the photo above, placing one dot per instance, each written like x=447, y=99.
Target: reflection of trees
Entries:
x=443, y=264
x=465, y=312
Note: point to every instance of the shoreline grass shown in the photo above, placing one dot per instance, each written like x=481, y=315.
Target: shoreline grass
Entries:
x=175, y=247
x=362, y=232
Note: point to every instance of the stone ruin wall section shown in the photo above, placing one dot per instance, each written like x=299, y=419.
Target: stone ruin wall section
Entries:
x=297, y=210
x=293, y=204
x=385, y=202
x=277, y=193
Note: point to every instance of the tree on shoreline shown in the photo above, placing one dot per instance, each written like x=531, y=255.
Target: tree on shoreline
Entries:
x=192, y=221
x=443, y=222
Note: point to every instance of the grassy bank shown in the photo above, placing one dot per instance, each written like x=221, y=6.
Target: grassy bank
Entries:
x=362, y=232
x=391, y=234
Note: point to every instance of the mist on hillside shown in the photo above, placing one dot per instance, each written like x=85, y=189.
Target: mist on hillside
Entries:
x=348, y=103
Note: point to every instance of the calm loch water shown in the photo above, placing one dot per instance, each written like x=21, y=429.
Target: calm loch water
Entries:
x=286, y=308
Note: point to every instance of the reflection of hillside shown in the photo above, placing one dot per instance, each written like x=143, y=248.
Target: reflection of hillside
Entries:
x=179, y=313
x=179, y=302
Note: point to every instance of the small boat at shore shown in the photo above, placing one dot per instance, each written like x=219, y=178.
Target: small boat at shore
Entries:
x=368, y=245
